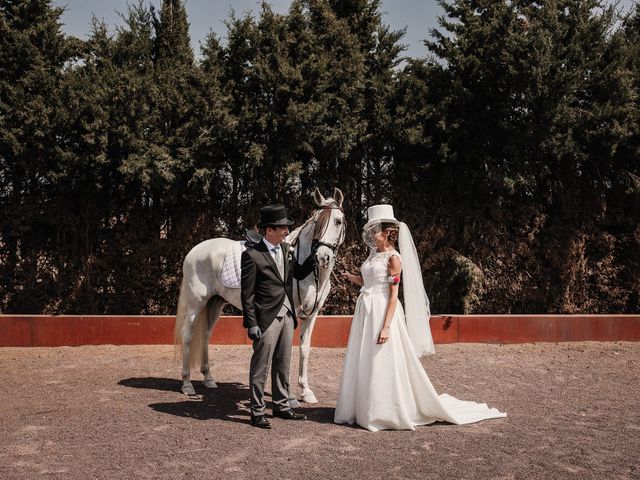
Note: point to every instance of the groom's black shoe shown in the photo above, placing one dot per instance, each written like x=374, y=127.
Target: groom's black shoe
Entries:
x=260, y=421
x=290, y=415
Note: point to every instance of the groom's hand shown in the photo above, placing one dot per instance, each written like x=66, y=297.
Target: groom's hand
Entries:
x=254, y=333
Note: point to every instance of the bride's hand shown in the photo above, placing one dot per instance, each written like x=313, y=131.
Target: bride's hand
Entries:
x=384, y=335
x=350, y=276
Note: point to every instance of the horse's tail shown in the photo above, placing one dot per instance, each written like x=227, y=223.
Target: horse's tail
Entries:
x=197, y=330
x=198, y=333
x=181, y=316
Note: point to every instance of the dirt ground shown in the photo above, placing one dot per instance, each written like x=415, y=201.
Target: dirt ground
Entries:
x=116, y=412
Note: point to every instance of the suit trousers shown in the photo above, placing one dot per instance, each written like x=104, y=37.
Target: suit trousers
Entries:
x=274, y=346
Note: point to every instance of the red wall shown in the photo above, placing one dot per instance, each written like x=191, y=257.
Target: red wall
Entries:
x=329, y=331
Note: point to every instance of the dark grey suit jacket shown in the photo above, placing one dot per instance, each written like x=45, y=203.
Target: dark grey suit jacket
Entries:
x=263, y=291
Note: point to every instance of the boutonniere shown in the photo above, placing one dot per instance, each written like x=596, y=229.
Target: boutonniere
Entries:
x=289, y=256
x=394, y=279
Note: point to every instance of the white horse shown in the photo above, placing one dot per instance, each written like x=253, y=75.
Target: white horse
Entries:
x=202, y=293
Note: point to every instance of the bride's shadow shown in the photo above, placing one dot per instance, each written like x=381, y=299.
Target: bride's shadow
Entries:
x=230, y=401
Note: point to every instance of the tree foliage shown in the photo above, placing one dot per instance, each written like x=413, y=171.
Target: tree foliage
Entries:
x=511, y=149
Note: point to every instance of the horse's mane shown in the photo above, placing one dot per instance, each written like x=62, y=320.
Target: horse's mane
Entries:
x=320, y=216
x=293, y=236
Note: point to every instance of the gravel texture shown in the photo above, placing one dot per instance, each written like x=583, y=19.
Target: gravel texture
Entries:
x=116, y=412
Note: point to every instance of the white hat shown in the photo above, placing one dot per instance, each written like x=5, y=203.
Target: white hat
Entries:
x=380, y=214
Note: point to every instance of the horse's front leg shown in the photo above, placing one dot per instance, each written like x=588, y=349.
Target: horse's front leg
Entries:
x=214, y=309
x=305, y=349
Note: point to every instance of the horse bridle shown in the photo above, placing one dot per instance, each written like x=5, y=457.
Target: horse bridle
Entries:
x=316, y=243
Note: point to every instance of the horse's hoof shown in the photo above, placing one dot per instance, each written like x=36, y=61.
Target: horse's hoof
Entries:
x=188, y=390
x=309, y=398
x=294, y=403
x=210, y=384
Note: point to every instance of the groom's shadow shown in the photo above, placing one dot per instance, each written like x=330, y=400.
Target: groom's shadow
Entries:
x=227, y=402
x=230, y=401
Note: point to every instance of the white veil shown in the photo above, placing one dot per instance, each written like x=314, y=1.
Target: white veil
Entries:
x=416, y=302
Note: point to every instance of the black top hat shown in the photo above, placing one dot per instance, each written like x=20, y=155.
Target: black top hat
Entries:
x=274, y=216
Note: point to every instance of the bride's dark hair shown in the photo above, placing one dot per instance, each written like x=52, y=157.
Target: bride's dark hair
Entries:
x=392, y=231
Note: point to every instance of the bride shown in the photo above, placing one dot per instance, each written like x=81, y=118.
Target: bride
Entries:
x=383, y=385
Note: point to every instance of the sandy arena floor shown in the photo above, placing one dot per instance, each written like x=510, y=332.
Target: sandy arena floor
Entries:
x=116, y=412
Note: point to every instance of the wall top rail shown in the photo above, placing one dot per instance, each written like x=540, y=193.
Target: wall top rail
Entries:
x=330, y=331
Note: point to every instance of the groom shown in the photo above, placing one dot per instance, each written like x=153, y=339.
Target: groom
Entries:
x=268, y=312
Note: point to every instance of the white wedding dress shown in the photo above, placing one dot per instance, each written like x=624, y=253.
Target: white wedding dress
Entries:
x=385, y=387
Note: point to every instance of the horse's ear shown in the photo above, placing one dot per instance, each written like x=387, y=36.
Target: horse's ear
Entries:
x=338, y=196
x=317, y=197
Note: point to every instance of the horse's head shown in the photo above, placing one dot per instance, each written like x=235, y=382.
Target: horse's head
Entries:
x=329, y=227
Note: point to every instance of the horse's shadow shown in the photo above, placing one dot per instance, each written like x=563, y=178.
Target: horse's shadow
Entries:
x=230, y=401
x=153, y=383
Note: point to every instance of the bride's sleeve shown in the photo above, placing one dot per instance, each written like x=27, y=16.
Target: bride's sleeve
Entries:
x=394, y=276
x=395, y=254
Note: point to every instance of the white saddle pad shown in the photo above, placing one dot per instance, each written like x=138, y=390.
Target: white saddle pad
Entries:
x=231, y=265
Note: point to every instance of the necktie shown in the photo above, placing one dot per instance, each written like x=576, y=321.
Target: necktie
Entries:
x=278, y=257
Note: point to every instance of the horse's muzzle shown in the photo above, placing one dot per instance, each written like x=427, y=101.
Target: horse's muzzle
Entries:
x=324, y=257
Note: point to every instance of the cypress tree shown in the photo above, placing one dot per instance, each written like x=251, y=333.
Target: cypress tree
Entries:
x=33, y=52
x=532, y=106
x=172, y=40
x=371, y=161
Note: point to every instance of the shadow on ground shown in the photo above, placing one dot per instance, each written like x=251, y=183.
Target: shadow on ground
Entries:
x=227, y=402
x=153, y=383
